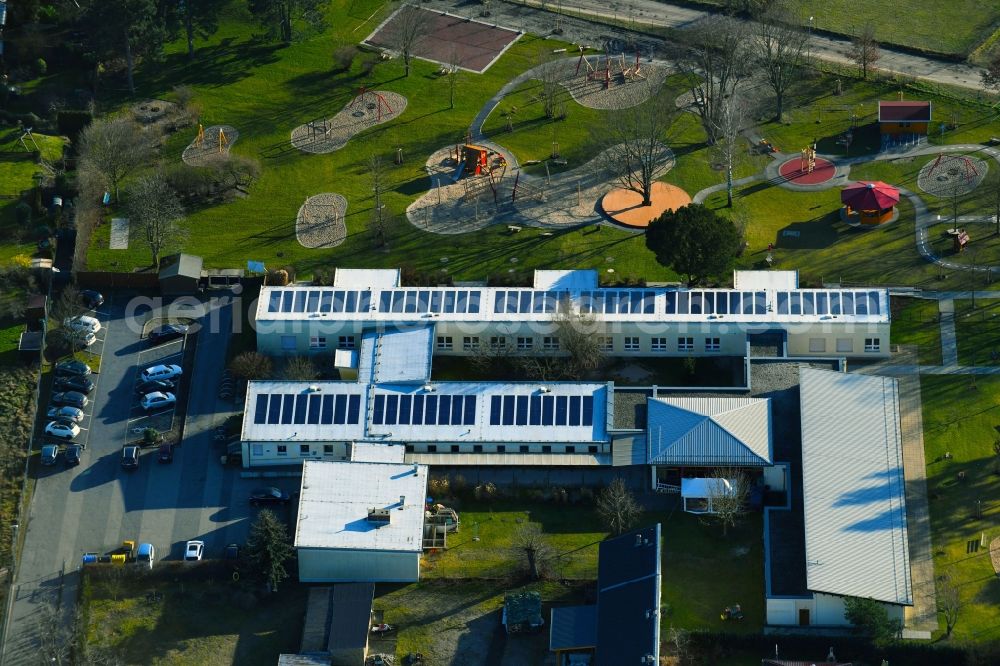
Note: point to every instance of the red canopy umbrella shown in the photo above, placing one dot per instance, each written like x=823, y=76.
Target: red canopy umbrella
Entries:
x=869, y=195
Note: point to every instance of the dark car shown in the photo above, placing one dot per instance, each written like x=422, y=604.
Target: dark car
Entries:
x=71, y=456
x=166, y=454
x=74, y=383
x=50, y=452
x=91, y=299
x=167, y=332
x=72, y=368
x=130, y=457
x=71, y=398
x=157, y=385
x=271, y=495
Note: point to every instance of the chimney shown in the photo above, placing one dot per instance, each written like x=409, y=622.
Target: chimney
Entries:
x=402, y=501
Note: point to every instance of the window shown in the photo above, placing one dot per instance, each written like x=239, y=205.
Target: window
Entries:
x=303, y=449
x=712, y=344
x=845, y=345
x=546, y=448
x=570, y=449
x=345, y=342
x=408, y=448
x=498, y=342
x=316, y=342
x=455, y=448
x=282, y=449
x=659, y=344
x=501, y=448
x=606, y=343
x=470, y=343
x=288, y=343
x=328, y=449
x=444, y=342
x=631, y=343
x=873, y=344
x=592, y=448
x=550, y=343
x=685, y=344
x=477, y=448
x=258, y=450
x=432, y=448
x=817, y=345
x=524, y=448
x=525, y=344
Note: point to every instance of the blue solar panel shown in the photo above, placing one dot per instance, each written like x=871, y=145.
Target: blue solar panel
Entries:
x=300, y=408
x=782, y=297
x=411, y=302
x=353, y=408
x=326, y=302
x=521, y=416
x=391, y=407
x=423, y=301
x=759, y=302
x=444, y=410
x=548, y=409
x=300, y=302
x=512, y=301
x=313, y=414
x=405, y=404
x=398, y=299
x=384, y=301
x=274, y=301
x=339, y=409
x=574, y=410
x=560, y=410
x=861, y=303
x=469, y=416
x=312, y=304
x=588, y=410
x=671, y=302
x=287, y=299
x=449, y=301
x=474, y=297
x=378, y=409
x=364, y=301
x=873, y=306
x=456, y=409
x=463, y=302
x=260, y=412
x=847, y=302
x=288, y=405
x=326, y=418
x=535, y=416
x=418, y=409
x=338, y=301
x=495, y=407
x=351, y=301
x=508, y=410
x=525, y=302
x=430, y=411
x=274, y=410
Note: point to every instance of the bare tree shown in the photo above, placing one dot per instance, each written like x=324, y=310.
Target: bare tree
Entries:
x=552, y=92
x=780, y=47
x=534, y=547
x=579, y=336
x=299, y=368
x=408, y=29
x=949, y=602
x=715, y=56
x=251, y=365
x=114, y=148
x=865, y=50
x=378, y=223
x=731, y=121
x=617, y=507
x=488, y=357
x=155, y=213
x=640, y=152
x=728, y=492
x=454, y=67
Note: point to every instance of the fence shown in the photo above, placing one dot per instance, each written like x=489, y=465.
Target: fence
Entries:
x=112, y=280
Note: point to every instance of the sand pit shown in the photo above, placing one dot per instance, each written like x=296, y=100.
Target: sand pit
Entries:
x=320, y=222
x=325, y=135
x=625, y=206
x=151, y=110
x=210, y=149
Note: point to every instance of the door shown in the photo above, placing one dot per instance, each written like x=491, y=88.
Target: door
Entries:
x=803, y=617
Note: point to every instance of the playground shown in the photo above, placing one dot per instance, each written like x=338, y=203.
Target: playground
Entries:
x=320, y=222
x=210, y=144
x=368, y=109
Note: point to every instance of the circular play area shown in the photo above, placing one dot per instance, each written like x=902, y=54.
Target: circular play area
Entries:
x=798, y=171
x=607, y=82
x=210, y=144
x=625, y=206
x=951, y=175
x=320, y=222
x=367, y=109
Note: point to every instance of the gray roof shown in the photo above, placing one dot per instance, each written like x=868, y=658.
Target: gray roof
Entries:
x=854, y=492
x=306, y=659
x=188, y=265
x=396, y=355
x=709, y=431
x=350, y=615
x=573, y=627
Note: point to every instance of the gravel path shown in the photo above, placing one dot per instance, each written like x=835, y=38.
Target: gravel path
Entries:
x=119, y=234
x=325, y=135
x=208, y=151
x=320, y=222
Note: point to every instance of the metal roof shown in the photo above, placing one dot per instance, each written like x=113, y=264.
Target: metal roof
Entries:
x=709, y=431
x=335, y=498
x=765, y=279
x=904, y=111
x=350, y=615
x=854, y=492
x=574, y=279
x=188, y=265
x=437, y=412
x=366, y=278
x=512, y=459
x=573, y=627
x=378, y=452
x=396, y=355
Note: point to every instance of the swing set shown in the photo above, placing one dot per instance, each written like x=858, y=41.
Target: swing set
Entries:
x=199, y=141
x=601, y=70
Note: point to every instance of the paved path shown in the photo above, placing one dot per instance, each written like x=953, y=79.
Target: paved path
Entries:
x=949, y=343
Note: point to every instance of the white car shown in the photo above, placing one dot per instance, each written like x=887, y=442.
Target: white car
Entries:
x=157, y=399
x=63, y=430
x=82, y=324
x=161, y=372
x=193, y=551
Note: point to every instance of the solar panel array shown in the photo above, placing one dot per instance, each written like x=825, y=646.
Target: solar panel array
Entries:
x=390, y=409
x=622, y=302
x=717, y=302
x=542, y=410
x=458, y=301
x=307, y=408
x=525, y=301
x=828, y=302
x=318, y=300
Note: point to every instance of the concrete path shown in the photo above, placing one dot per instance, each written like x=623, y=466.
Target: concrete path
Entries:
x=949, y=343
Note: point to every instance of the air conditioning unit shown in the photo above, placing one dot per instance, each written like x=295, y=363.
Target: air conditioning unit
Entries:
x=379, y=516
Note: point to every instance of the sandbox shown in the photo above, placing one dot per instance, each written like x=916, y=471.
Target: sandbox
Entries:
x=368, y=109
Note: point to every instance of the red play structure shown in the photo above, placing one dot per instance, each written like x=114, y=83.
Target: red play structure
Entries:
x=377, y=105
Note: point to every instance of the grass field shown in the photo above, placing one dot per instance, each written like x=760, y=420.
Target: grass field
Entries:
x=961, y=418
x=17, y=171
x=977, y=332
x=915, y=322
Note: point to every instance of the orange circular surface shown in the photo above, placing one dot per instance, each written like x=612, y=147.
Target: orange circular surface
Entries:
x=625, y=206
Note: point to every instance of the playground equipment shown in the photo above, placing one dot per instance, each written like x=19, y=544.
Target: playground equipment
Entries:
x=633, y=73
x=378, y=105
x=595, y=73
x=967, y=170
x=807, y=163
x=612, y=66
x=523, y=190
x=199, y=140
x=223, y=140
x=27, y=133
x=960, y=238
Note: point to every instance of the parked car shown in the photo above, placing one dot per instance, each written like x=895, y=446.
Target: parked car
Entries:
x=166, y=454
x=162, y=385
x=62, y=430
x=49, y=454
x=82, y=324
x=161, y=372
x=193, y=551
x=130, y=457
x=71, y=398
x=156, y=400
x=91, y=299
x=270, y=495
x=74, y=383
x=71, y=456
x=167, y=332
x=83, y=340
x=72, y=368
x=65, y=414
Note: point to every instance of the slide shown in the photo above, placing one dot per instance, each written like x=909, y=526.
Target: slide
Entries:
x=458, y=172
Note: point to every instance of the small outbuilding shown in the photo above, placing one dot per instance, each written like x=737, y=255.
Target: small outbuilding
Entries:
x=904, y=118
x=868, y=202
x=699, y=494
x=180, y=274
x=522, y=611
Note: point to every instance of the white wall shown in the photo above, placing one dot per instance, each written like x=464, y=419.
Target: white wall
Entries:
x=264, y=454
x=320, y=565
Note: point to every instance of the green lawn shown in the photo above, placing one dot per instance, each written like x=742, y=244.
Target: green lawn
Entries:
x=977, y=331
x=17, y=171
x=203, y=618
x=915, y=322
x=961, y=418
x=10, y=336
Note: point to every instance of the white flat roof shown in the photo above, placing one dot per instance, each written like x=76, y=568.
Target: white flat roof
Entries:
x=396, y=355
x=574, y=279
x=766, y=279
x=364, y=278
x=453, y=412
x=854, y=489
x=378, y=452
x=336, y=497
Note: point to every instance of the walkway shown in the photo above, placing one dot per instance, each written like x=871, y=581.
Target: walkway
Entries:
x=949, y=343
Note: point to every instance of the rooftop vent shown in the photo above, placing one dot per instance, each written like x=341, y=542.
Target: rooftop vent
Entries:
x=314, y=388
x=428, y=387
x=379, y=516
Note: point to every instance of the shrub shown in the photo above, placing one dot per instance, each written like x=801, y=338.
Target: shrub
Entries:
x=486, y=492
x=278, y=278
x=189, y=182
x=560, y=496
x=41, y=66
x=439, y=486
x=251, y=365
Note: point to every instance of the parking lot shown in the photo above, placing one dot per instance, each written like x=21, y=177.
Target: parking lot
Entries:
x=95, y=506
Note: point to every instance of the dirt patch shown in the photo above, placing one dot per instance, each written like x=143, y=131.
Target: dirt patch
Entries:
x=214, y=144
x=320, y=222
x=370, y=108
x=150, y=111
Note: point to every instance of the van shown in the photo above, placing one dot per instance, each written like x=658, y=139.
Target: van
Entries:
x=146, y=555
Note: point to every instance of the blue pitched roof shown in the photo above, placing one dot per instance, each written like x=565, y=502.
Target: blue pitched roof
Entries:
x=573, y=627
x=709, y=431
